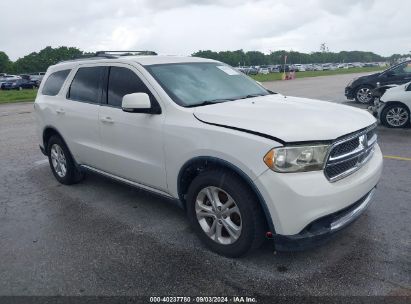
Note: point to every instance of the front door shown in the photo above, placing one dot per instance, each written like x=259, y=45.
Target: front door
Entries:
x=132, y=142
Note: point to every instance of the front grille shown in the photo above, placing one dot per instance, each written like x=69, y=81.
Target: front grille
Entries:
x=350, y=153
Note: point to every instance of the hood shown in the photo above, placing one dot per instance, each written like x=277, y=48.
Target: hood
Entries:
x=288, y=119
x=396, y=93
x=368, y=77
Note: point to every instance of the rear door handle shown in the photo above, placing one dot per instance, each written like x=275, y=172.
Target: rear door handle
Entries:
x=60, y=111
x=107, y=119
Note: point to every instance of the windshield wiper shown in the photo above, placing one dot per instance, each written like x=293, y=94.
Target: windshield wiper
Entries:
x=251, y=96
x=209, y=102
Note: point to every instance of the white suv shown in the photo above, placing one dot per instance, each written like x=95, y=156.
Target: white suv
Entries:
x=246, y=163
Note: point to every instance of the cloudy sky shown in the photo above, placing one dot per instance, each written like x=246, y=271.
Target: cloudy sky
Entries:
x=184, y=26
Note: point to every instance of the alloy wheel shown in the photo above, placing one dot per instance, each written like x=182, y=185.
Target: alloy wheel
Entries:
x=58, y=160
x=218, y=215
x=397, y=116
x=364, y=95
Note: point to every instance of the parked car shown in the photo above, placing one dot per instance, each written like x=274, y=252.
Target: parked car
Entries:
x=285, y=68
x=264, y=71
x=395, y=106
x=38, y=76
x=274, y=68
x=318, y=67
x=8, y=78
x=309, y=67
x=19, y=84
x=361, y=88
x=245, y=163
x=299, y=68
x=251, y=71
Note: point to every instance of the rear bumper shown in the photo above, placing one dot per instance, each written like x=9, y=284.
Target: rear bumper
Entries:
x=324, y=228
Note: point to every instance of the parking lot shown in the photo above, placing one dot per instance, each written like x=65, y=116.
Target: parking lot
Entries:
x=100, y=237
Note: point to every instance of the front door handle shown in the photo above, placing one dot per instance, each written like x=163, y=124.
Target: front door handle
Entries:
x=60, y=111
x=107, y=119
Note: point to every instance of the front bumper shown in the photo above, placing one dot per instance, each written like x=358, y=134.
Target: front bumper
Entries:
x=324, y=228
x=43, y=150
x=376, y=109
x=295, y=200
x=349, y=93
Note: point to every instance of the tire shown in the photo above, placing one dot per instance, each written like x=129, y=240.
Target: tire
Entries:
x=395, y=115
x=363, y=94
x=248, y=220
x=61, y=162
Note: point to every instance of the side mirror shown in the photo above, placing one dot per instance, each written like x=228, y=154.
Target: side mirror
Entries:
x=136, y=103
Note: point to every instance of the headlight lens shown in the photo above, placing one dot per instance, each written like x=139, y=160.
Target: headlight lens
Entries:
x=297, y=158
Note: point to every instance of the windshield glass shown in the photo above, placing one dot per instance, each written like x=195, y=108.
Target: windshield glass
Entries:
x=195, y=84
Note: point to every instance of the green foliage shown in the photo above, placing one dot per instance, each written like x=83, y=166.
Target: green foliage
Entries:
x=39, y=62
x=240, y=57
x=15, y=96
x=4, y=61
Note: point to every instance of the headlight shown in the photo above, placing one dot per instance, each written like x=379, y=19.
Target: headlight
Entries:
x=297, y=158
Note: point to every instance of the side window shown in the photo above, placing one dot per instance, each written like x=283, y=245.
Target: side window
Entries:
x=54, y=82
x=407, y=68
x=123, y=81
x=87, y=85
x=404, y=68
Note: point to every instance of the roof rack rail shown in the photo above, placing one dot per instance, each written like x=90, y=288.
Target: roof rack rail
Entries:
x=108, y=54
x=114, y=54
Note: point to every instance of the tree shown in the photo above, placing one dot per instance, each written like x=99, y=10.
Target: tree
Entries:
x=4, y=62
x=324, y=48
x=39, y=62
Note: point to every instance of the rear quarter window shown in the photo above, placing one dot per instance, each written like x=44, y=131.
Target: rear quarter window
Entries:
x=54, y=82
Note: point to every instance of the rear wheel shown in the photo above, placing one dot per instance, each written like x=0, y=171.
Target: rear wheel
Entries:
x=61, y=163
x=364, y=94
x=395, y=116
x=225, y=213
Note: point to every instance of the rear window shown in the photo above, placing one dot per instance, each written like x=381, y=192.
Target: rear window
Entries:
x=54, y=82
x=87, y=85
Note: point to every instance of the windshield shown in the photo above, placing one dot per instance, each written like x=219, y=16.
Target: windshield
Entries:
x=195, y=84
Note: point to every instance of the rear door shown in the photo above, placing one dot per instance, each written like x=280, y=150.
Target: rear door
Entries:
x=78, y=114
x=132, y=143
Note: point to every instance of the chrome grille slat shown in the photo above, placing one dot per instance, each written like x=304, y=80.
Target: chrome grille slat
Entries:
x=350, y=153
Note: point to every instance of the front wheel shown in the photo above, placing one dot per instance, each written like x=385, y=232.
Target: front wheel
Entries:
x=395, y=116
x=364, y=95
x=225, y=213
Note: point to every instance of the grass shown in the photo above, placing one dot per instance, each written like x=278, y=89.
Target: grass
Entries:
x=278, y=76
x=9, y=96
